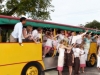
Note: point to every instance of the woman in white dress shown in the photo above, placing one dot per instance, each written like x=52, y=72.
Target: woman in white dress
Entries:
x=88, y=41
x=98, y=59
x=62, y=48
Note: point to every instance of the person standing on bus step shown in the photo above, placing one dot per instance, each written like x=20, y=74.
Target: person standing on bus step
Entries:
x=17, y=32
x=61, y=51
x=48, y=44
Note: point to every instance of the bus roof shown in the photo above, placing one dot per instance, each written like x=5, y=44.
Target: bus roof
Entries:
x=36, y=23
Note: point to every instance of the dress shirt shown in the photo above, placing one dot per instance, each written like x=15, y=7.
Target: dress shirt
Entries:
x=77, y=52
x=35, y=34
x=60, y=37
x=75, y=38
x=17, y=32
x=98, y=41
x=79, y=41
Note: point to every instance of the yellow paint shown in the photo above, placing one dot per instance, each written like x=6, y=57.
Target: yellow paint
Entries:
x=54, y=32
x=93, y=49
x=93, y=60
x=15, y=57
x=32, y=71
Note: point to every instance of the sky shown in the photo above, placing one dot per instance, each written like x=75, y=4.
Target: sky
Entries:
x=75, y=12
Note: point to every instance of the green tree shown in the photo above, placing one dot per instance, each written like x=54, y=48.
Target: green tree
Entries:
x=94, y=24
x=36, y=9
x=81, y=25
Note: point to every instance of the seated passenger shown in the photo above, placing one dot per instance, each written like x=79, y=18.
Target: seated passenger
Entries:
x=48, y=44
x=61, y=36
x=45, y=38
x=36, y=34
x=27, y=34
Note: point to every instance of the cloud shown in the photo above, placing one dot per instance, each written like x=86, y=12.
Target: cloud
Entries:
x=75, y=12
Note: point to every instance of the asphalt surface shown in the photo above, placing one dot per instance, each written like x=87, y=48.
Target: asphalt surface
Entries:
x=88, y=71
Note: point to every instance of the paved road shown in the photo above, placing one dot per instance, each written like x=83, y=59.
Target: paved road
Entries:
x=88, y=71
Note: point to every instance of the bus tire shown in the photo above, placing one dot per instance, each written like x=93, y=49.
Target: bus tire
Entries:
x=32, y=68
x=92, y=60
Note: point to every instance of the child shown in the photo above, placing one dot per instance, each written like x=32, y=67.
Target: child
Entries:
x=48, y=44
x=98, y=59
x=82, y=60
x=62, y=48
x=77, y=52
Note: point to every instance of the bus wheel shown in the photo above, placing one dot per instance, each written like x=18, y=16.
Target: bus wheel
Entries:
x=32, y=69
x=92, y=60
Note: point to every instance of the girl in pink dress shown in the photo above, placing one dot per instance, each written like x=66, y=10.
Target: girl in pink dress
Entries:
x=48, y=44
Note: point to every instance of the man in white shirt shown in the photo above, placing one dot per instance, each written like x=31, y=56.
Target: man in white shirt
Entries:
x=17, y=32
x=74, y=37
x=79, y=41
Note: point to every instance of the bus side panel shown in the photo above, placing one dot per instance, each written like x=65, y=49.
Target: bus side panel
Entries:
x=14, y=53
x=93, y=48
x=13, y=57
x=14, y=69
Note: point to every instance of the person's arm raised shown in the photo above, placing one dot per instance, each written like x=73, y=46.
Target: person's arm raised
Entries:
x=84, y=33
x=56, y=36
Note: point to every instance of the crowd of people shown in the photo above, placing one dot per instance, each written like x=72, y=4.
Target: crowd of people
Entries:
x=76, y=50
x=72, y=47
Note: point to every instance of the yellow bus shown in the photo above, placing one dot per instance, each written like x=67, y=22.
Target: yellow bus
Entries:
x=27, y=59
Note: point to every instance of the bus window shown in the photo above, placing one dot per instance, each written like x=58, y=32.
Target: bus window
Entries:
x=5, y=32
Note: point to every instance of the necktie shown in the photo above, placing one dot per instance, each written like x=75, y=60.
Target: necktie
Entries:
x=71, y=40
